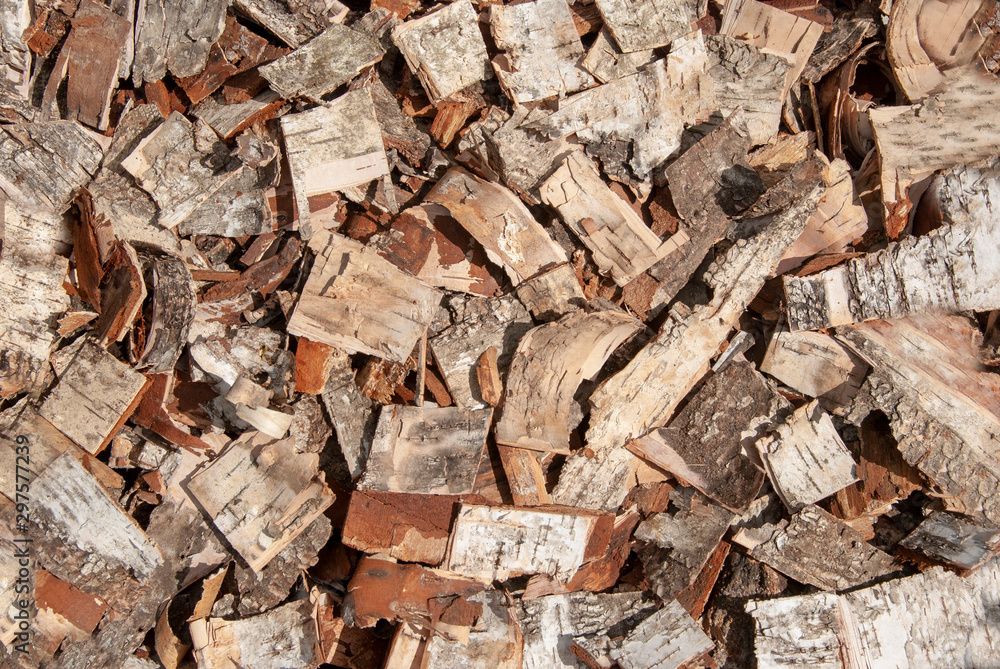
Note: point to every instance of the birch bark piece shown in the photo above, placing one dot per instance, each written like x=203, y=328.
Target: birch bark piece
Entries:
x=679, y=545
x=949, y=128
x=499, y=322
x=407, y=527
x=818, y=549
x=175, y=35
x=806, y=459
x=541, y=50
x=665, y=640
x=647, y=24
x=399, y=131
x=495, y=543
x=947, y=539
x=915, y=71
x=294, y=22
x=648, y=110
x=499, y=221
x=427, y=450
x=327, y=61
x=627, y=405
x=553, y=293
x=333, y=147
x=524, y=476
x=16, y=59
x=352, y=414
x=759, y=95
x=169, y=165
x=816, y=365
x=839, y=219
x=495, y=640
x=551, y=624
x=89, y=61
x=347, y=302
x=621, y=243
x=42, y=164
x=445, y=49
x=933, y=619
x=550, y=363
x=943, y=411
x=288, y=494
x=229, y=119
x=95, y=395
x=607, y=62
x=953, y=268
x=704, y=445
x=86, y=539
x=777, y=31
x=31, y=297
x=238, y=208
x=285, y=636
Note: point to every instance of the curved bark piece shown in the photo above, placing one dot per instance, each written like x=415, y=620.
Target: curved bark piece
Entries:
x=551, y=362
x=174, y=301
x=915, y=71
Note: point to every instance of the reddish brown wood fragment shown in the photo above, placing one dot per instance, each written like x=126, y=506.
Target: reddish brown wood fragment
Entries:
x=263, y=277
x=524, y=475
x=694, y=597
x=384, y=590
x=237, y=50
x=122, y=292
x=603, y=572
x=93, y=242
x=490, y=386
x=152, y=414
x=379, y=379
x=412, y=528
x=437, y=389
x=164, y=99
x=81, y=610
x=452, y=116
x=313, y=362
x=401, y=8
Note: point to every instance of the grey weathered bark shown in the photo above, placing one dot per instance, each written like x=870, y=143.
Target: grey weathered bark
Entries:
x=552, y=293
x=607, y=62
x=648, y=24
x=428, y=450
x=551, y=362
x=704, y=444
x=665, y=640
x=353, y=415
x=947, y=539
x=175, y=35
x=294, y=22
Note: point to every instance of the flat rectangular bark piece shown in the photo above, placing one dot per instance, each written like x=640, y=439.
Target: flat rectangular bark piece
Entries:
x=384, y=590
x=943, y=410
x=495, y=640
x=607, y=62
x=946, y=538
x=42, y=164
x=347, y=301
x=288, y=494
x=665, y=640
x=541, y=50
x=352, y=414
x=89, y=60
x=427, y=450
x=679, y=545
x=407, y=527
x=933, y=619
x=647, y=24
x=86, y=539
x=499, y=221
x=524, y=476
x=333, y=147
x=286, y=636
x=495, y=543
x=239, y=207
x=777, y=31
x=647, y=111
x=327, y=61
x=445, y=49
x=229, y=119
x=806, y=459
x=95, y=395
x=704, y=444
x=175, y=35
x=170, y=165
x=293, y=22
x=621, y=243
x=816, y=365
x=551, y=362
x=551, y=624
x=818, y=549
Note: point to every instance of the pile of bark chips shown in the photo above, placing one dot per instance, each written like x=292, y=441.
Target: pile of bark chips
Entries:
x=638, y=334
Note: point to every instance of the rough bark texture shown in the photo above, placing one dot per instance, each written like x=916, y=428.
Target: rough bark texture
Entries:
x=947, y=539
x=934, y=619
x=551, y=362
x=704, y=444
x=649, y=23
x=175, y=35
x=943, y=411
x=294, y=22
x=445, y=49
x=542, y=50
x=607, y=62
x=805, y=459
x=494, y=640
x=346, y=302
x=678, y=545
x=352, y=414
x=411, y=528
x=553, y=293
x=820, y=550
x=665, y=640
x=433, y=451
